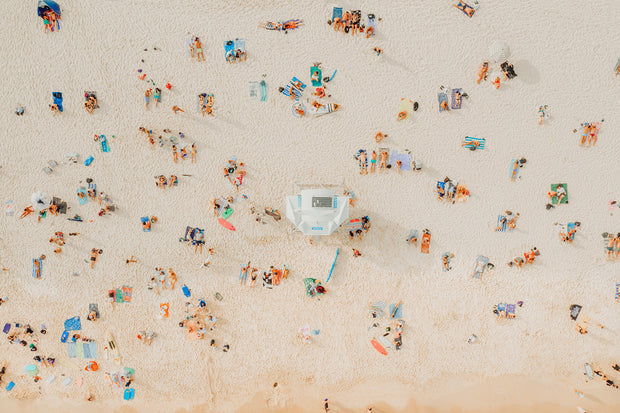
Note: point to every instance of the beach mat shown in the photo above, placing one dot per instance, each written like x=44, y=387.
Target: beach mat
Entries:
x=454, y=105
x=406, y=107
x=441, y=98
x=396, y=310
x=316, y=83
x=73, y=324
x=336, y=13
x=504, y=225
x=517, y=169
x=554, y=200
x=480, y=266
x=470, y=139
x=34, y=268
x=405, y=158
x=82, y=199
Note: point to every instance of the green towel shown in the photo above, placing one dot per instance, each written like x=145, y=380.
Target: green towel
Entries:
x=554, y=200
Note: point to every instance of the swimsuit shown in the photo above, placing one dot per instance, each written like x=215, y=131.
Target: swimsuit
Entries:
x=373, y=161
x=146, y=99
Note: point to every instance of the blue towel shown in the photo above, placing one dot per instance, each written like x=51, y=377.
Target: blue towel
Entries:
x=504, y=225
x=337, y=13
x=72, y=324
x=442, y=97
x=454, y=105
x=71, y=350
x=469, y=139
x=399, y=312
x=86, y=350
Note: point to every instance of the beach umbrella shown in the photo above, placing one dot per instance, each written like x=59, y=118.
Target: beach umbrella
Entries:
x=40, y=201
x=499, y=51
x=47, y=5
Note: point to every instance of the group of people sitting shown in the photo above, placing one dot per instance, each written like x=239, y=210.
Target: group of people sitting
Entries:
x=234, y=172
x=351, y=22
x=271, y=277
x=91, y=102
x=50, y=20
x=359, y=227
x=162, y=182
x=528, y=258
x=450, y=191
x=612, y=246
x=206, y=104
x=508, y=72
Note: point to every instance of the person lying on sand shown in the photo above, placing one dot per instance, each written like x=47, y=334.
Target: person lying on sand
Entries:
x=94, y=256
x=465, y=8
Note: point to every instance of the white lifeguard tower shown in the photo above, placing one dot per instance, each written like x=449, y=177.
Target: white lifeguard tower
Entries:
x=317, y=212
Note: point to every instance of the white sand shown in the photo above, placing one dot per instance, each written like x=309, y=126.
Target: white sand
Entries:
x=563, y=53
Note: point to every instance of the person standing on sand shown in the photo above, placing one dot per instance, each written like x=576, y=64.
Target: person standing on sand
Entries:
x=147, y=97
x=326, y=406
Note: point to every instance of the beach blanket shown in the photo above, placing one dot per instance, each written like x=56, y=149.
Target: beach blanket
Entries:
x=316, y=79
x=513, y=169
x=370, y=24
x=263, y=91
x=441, y=98
x=253, y=91
x=617, y=291
x=82, y=350
x=376, y=310
x=311, y=285
x=126, y=293
x=480, y=266
x=295, y=88
x=504, y=224
x=554, y=200
x=396, y=310
x=406, y=107
x=441, y=185
x=36, y=272
x=404, y=158
x=470, y=139
x=337, y=13
x=73, y=323
x=455, y=104
x=57, y=96
x=82, y=195
x=145, y=220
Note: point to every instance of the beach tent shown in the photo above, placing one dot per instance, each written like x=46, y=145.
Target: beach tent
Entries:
x=40, y=201
x=317, y=211
x=499, y=51
x=47, y=5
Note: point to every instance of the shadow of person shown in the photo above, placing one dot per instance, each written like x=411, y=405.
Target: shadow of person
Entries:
x=527, y=72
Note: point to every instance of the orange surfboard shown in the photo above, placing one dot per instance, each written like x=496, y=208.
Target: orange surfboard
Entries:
x=226, y=224
x=378, y=346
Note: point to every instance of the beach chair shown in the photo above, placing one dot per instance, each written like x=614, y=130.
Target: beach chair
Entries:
x=404, y=158
x=480, y=266
x=469, y=143
x=455, y=104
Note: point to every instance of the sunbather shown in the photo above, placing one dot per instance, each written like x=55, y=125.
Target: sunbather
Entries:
x=161, y=182
x=355, y=22
x=383, y=161
x=176, y=109
x=465, y=8
x=482, y=72
x=586, y=132
x=457, y=98
x=412, y=239
x=496, y=83
x=592, y=138
x=513, y=221
x=55, y=109
x=198, y=47
x=175, y=154
x=515, y=169
x=27, y=211
x=501, y=224
x=147, y=97
x=94, y=256
x=2, y=370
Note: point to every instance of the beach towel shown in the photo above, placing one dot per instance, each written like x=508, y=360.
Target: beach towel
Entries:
x=426, y=242
x=456, y=105
x=480, y=266
x=206, y=100
x=404, y=158
x=441, y=185
x=9, y=208
x=188, y=43
x=82, y=195
x=470, y=139
x=376, y=310
x=7, y=328
x=92, y=188
x=73, y=324
x=414, y=233
x=396, y=310
x=510, y=310
x=263, y=91
x=36, y=272
x=57, y=96
x=145, y=220
x=371, y=22
x=337, y=13
x=316, y=79
x=295, y=88
x=103, y=144
x=554, y=200
x=126, y=293
x=311, y=285
x=404, y=111
x=93, y=307
x=253, y=90
x=93, y=93
x=465, y=5
x=617, y=291
x=513, y=169
x=501, y=308
x=229, y=51
x=188, y=231
x=504, y=224
x=441, y=98
x=385, y=342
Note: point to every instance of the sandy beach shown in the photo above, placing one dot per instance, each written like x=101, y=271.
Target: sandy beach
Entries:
x=564, y=55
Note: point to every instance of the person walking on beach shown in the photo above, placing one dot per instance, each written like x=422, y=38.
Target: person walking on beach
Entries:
x=326, y=406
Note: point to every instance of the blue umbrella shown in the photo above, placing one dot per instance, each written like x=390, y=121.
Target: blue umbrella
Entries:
x=47, y=5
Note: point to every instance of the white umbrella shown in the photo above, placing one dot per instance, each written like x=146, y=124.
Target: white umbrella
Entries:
x=40, y=201
x=499, y=51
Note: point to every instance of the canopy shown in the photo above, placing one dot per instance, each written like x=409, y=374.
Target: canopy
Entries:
x=499, y=51
x=47, y=5
x=40, y=201
x=317, y=211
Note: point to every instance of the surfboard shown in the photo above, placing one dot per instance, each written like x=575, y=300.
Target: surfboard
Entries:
x=325, y=109
x=589, y=371
x=226, y=224
x=113, y=348
x=378, y=347
x=333, y=265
